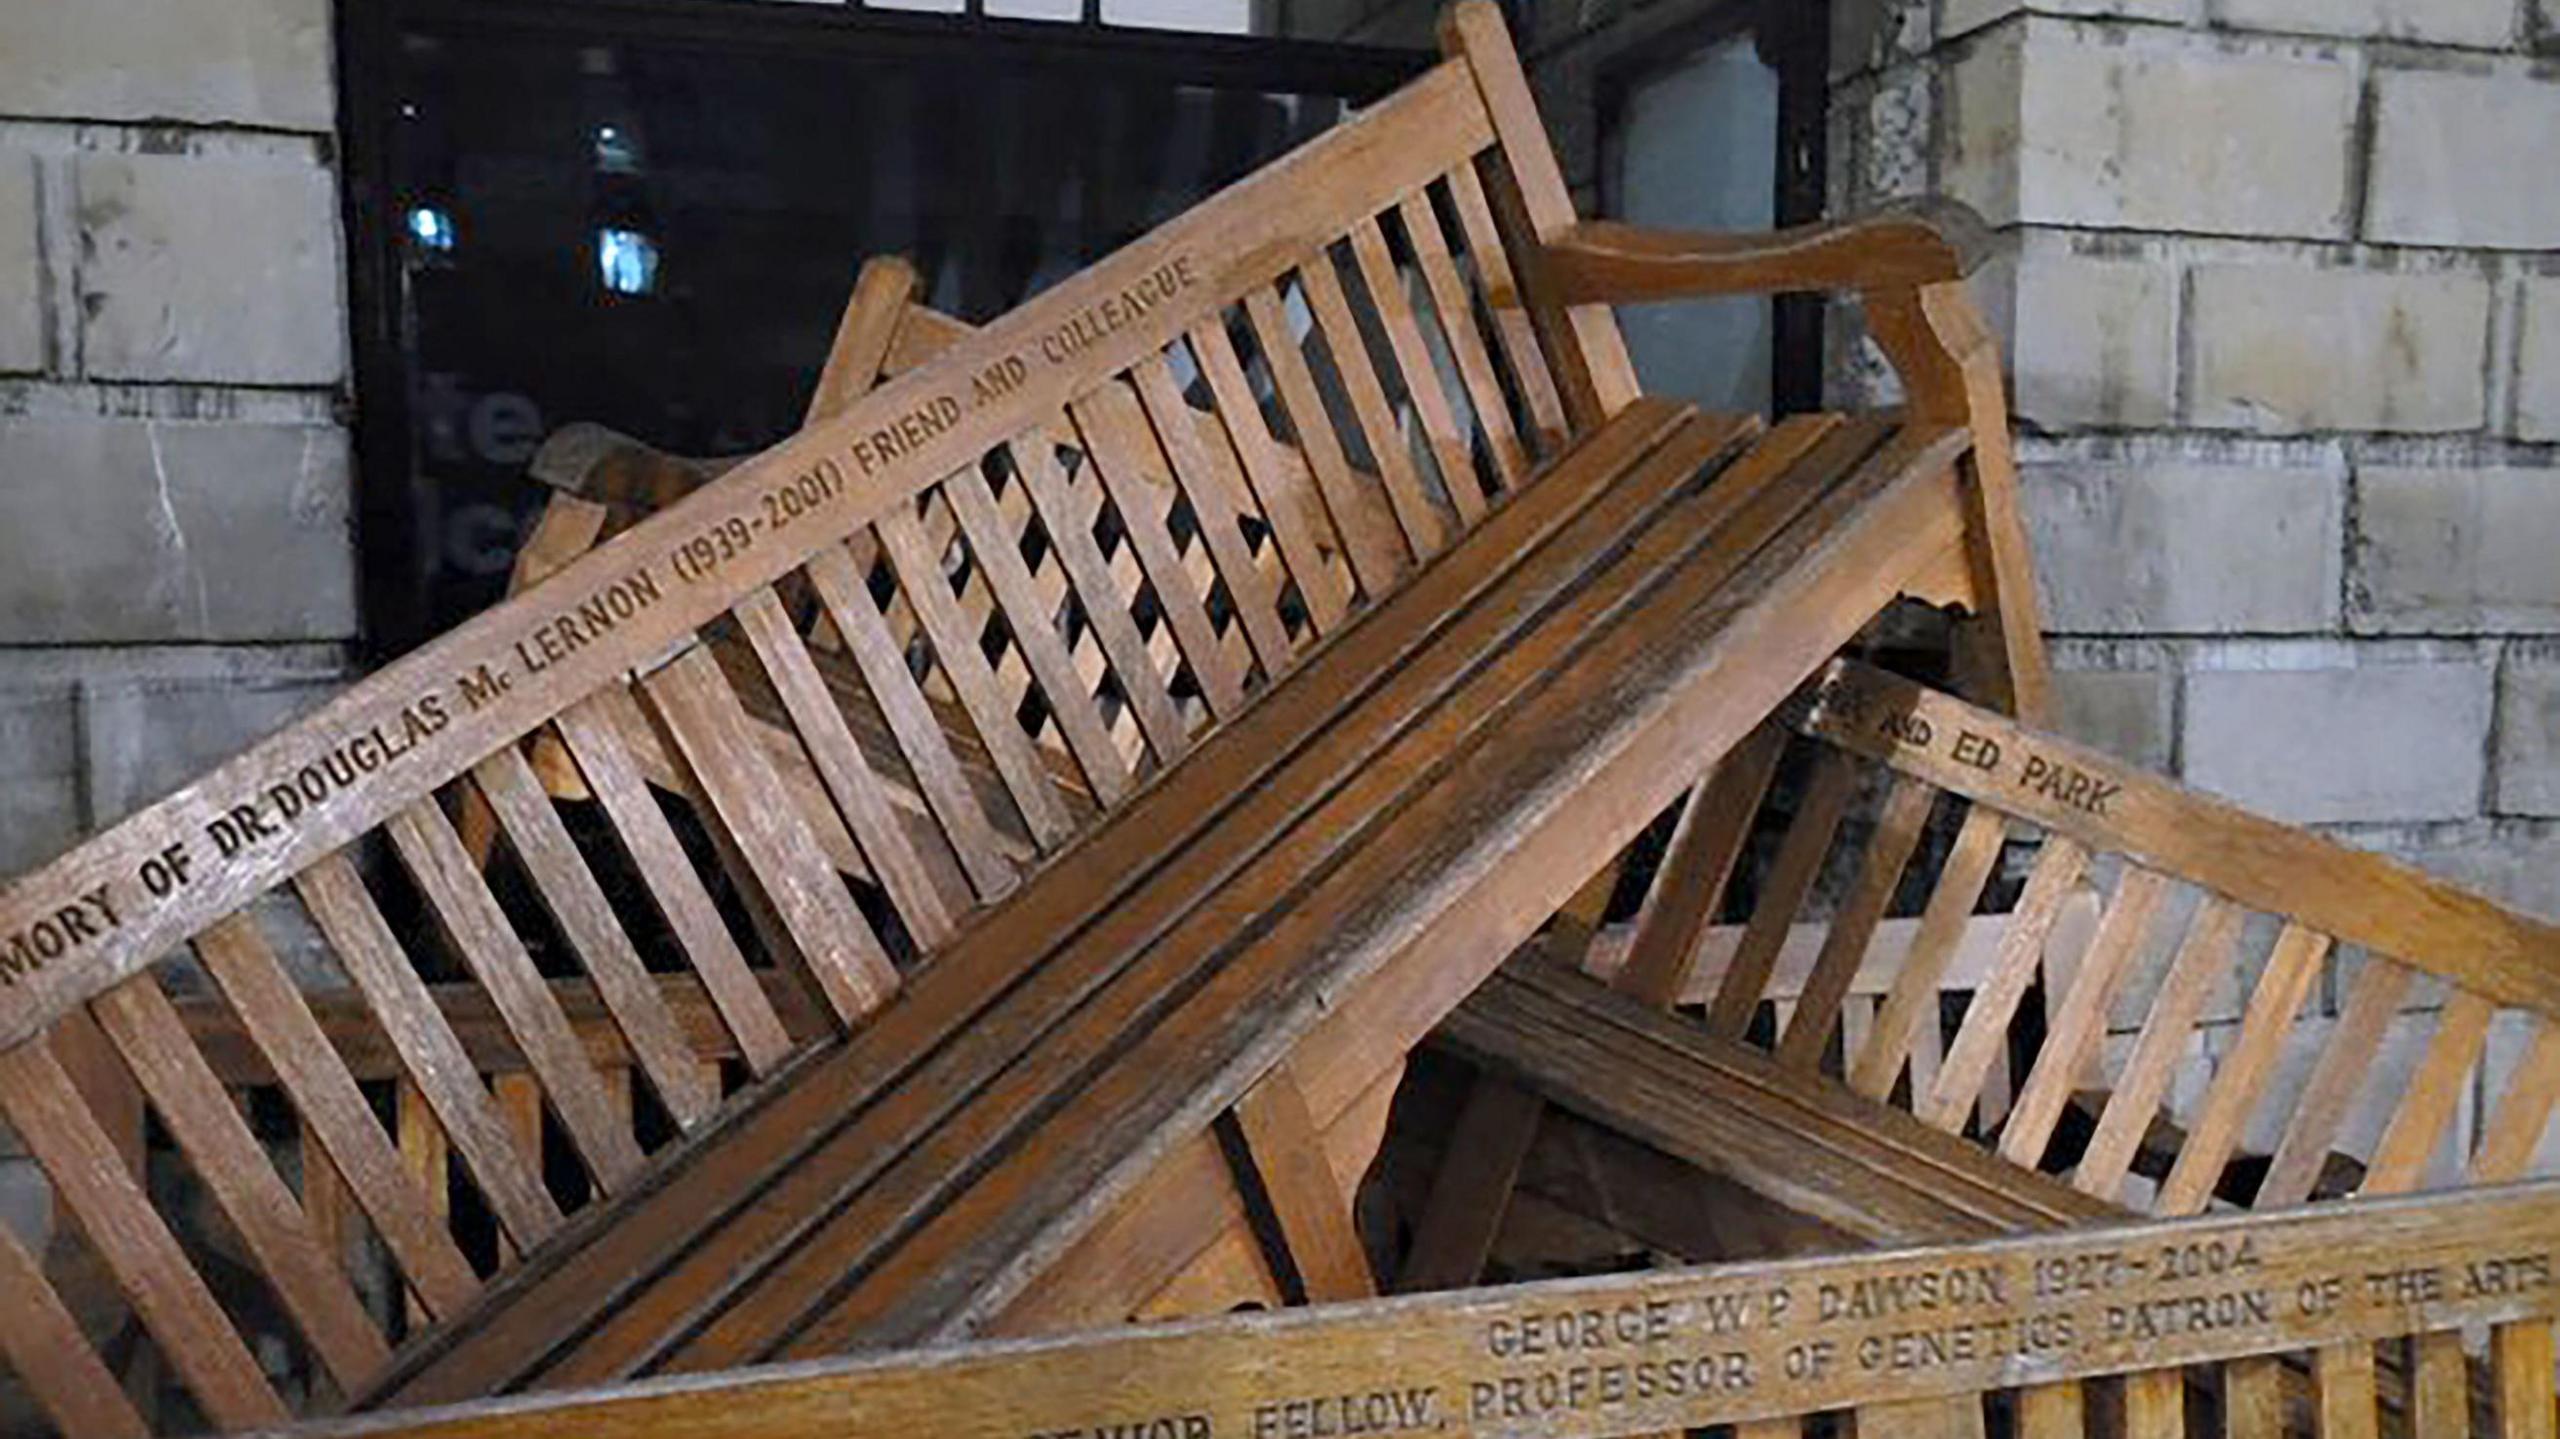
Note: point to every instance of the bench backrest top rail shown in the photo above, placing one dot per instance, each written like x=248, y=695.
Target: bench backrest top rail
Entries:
x=110, y=907
x=1663, y=1350
x=2353, y=895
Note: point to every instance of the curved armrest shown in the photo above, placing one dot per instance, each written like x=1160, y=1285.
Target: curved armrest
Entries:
x=1905, y=247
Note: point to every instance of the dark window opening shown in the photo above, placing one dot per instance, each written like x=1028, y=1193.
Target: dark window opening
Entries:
x=649, y=213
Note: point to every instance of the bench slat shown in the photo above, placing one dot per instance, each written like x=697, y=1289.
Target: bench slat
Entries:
x=201, y=1116
x=334, y=1114
x=1909, y=1013
x=1213, y=503
x=479, y=932
x=2203, y=956
x=2282, y=983
x=91, y=1181
x=52, y=1357
x=1791, y=876
x=920, y=736
x=1299, y=525
x=833, y=941
x=1983, y=1036
x=435, y=1060
x=1121, y=447
x=1425, y=532
x=1454, y=309
x=578, y=904
x=1853, y=924
x=1385, y=285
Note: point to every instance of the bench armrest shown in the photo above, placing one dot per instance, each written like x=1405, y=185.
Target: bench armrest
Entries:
x=1604, y=261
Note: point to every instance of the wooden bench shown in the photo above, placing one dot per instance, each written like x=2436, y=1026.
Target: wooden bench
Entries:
x=1342, y=728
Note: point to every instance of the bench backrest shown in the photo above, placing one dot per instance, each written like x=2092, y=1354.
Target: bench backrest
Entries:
x=2186, y=995
x=1310, y=307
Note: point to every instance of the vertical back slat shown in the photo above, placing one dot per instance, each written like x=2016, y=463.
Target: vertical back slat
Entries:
x=479, y=932
x=428, y=1050
x=918, y=563
x=2286, y=977
x=1518, y=337
x=52, y=1357
x=1425, y=532
x=857, y=790
x=1178, y=432
x=1360, y=516
x=911, y=720
x=1982, y=1037
x=2521, y=1115
x=1791, y=877
x=334, y=1113
x=313, y=1288
x=1909, y=1013
x=595, y=743
x=1697, y=868
x=569, y=890
x=91, y=1181
x=1853, y=923
x=832, y=939
x=1422, y=382
x=2203, y=956
x=1035, y=467
x=2345, y=1063
x=2521, y=1357
x=2428, y=1101
x=1032, y=623
x=1299, y=525
x=1466, y=347
x=2076, y=1027
x=1121, y=447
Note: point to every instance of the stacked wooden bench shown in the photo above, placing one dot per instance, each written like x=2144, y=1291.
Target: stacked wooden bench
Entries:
x=980, y=866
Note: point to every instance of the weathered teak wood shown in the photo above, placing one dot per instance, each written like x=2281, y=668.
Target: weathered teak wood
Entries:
x=905, y=746
x=1686, y=1348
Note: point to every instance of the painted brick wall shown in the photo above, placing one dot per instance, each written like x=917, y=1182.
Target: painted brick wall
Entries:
x=177, y=567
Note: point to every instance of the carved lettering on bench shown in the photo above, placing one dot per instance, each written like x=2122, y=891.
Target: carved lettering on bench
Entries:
x=1643, y=1353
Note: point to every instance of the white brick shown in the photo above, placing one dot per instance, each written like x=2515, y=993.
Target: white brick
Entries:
x=2094, y=341
x=219, y=269
x=2185, y=549
x=2124, y=712
x=2528, y=763
x=2538, y=361
x=1979, y=130
x=40, y=811
x=2396, y=742
x=2064, y=128
x=124, y=531
x=2515, y=863
x=2446, y=550
x=21, y=266
x=145, y=739
x=2282, y=350
x=2465, y=160
x=244, y=62
x=2444, y=22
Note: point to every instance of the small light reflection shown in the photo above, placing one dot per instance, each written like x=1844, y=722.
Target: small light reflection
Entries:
x=627, y=261
x=432, y=228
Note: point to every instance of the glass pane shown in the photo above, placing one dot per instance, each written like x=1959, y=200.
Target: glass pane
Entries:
x=1696, y=149
x=659, y=235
